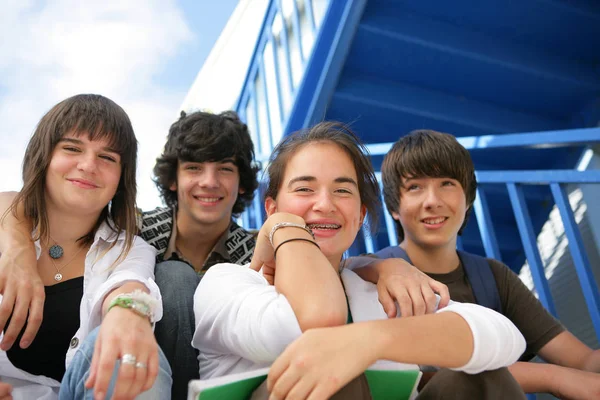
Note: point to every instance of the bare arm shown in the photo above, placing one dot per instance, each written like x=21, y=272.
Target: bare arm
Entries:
x=20, y=284
x=303, y=274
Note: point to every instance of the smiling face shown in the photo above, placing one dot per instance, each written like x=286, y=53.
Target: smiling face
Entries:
x=83, y=175
x=431, y=211
x=207, y=191
x=320, y=185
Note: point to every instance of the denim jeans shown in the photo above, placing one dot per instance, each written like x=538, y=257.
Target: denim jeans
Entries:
x=72, y=385
x=177, y=282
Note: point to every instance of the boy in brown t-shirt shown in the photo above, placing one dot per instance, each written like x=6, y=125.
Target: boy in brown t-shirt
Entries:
x=429, y=188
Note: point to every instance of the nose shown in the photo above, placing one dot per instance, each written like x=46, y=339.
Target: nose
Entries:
x=209, y=178
x=88, y=163
x=432, y=198
x=324, y=203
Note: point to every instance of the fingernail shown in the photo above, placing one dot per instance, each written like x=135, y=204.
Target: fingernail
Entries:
x=25, y=343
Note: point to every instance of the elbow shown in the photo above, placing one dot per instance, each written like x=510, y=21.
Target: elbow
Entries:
x=321, y=318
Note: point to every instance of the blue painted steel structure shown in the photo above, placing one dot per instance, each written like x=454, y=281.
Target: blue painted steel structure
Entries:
x=504, y=77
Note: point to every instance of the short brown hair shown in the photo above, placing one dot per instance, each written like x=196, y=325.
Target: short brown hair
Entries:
x=340, y=135
x=98, y=117
x=426, y=153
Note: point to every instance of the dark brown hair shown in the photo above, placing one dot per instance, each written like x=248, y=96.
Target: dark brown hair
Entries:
x=426, y=153
x=205, y=137
x=97, y=117
x=343, y=137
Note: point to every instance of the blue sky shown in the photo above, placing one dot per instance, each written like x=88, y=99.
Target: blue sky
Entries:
x=143, y=54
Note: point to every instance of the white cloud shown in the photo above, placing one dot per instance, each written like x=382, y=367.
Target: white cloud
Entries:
x=52, y=50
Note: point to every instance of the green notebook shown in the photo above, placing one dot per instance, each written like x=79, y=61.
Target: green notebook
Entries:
x=387, y=381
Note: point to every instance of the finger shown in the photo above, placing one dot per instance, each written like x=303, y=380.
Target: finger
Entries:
x=443, y=291
x=255, y=264
x=36, y=315
x=302, y=389
x=404, y=302
x=386, y=301
x=276, y=370
x=153, y=369
x=322, y=391
x=140, y=379
x=6, y=308
x=91, y=380
x=286, y=382
x=418, y=303
x=126, y=376
x=17, y=321
x=106, y=363
x=429, y=297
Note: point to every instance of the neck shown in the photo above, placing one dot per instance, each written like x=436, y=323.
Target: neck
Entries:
x=195, y=241
x=66, y=228
x=435, y=260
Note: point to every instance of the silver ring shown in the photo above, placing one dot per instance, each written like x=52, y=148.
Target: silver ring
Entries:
x=128, y=359
x=140, y=364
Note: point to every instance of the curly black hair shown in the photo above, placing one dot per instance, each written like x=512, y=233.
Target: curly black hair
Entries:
x=205, y=137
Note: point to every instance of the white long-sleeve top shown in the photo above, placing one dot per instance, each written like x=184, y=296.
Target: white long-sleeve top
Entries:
x=243, y=323
x=99, y=279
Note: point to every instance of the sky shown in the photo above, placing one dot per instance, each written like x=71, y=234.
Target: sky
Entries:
x=143, y=54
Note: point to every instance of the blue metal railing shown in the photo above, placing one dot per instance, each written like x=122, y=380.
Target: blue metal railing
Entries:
x=292, y=74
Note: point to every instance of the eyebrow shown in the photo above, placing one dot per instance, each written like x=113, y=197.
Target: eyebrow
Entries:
x=80, y=142
x=308, y=178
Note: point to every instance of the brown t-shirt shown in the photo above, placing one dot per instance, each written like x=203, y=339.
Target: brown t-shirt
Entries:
x=518, y=304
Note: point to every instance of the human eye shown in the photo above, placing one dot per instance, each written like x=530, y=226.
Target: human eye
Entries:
x=303, y=189
x=344, y=191
x=71, y=149
x=227, y=169
x=109, y=158
x=448, y=182
x=191, y=167
x=412, y=187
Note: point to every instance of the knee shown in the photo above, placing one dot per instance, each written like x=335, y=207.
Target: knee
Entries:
x=173, y=277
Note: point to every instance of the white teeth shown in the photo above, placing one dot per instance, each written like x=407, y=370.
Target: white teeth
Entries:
x=433, y=221
x=323, y=226
x=208, y=199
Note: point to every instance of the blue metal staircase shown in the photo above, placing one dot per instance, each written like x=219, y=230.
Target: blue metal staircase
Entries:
x=518, y=82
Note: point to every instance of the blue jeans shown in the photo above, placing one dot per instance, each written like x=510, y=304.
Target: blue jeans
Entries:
x=177, y=282
x=72, y=385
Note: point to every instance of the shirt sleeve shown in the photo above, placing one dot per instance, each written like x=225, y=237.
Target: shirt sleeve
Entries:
x=238, y=313
x=521, y=306
x=137, y=266
x=496, y=341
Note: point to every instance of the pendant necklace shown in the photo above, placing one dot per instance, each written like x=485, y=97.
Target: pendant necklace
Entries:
x=55, y=251
x=58, y=277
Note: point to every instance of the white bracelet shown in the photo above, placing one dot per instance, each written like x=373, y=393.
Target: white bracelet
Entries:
x=138, y=301
x=280, y=225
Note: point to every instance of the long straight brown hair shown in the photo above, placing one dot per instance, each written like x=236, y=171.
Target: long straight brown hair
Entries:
x=97, y=117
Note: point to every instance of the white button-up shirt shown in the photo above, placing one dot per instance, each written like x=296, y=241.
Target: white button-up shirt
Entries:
x=100, y=277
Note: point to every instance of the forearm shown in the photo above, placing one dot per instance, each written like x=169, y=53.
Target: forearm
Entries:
x=311, y=285
x=443, y=340
x=534, y=377
x=15, y=231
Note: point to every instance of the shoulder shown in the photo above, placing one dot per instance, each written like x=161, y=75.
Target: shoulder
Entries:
x=240, y=243
x=160, y=215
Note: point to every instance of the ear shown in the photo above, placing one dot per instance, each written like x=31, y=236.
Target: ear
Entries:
x=173, y=186
x=396, y=216
x=363, y=212
x=241, y=191
x=270, y=206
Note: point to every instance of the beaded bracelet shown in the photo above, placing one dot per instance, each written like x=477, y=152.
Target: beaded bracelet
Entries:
x=137, y=301
x=280, y=225
x=292, y=240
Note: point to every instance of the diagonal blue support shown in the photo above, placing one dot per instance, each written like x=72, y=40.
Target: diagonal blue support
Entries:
x=530, y=245
x=486, y=228
x=297, y=30
x=580, y=259
x=369, y=245
x=277, y=76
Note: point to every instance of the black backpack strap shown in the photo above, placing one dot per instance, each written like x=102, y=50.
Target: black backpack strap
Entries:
x=482, y=280
x=393, y=252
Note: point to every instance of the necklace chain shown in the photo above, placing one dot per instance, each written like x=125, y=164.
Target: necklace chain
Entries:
x=58, y=277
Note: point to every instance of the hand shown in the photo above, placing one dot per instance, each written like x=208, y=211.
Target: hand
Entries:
x=321, y=362
x=592, y=362
x=22, y=292
x=263, y=256
x=412, y=289
x=123, y=332
x=574, y=384
x=5, y=391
